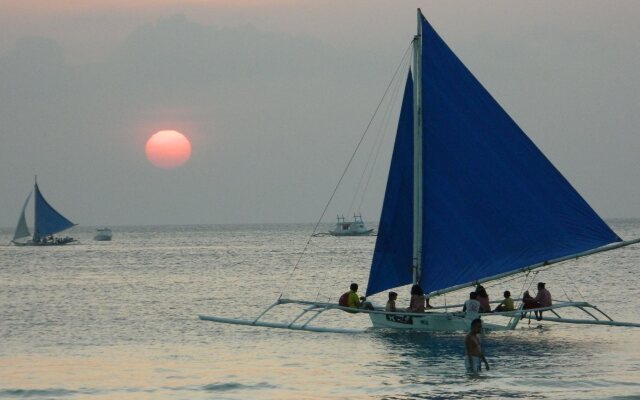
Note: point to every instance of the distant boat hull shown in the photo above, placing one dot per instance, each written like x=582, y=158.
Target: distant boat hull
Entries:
x=54, y=242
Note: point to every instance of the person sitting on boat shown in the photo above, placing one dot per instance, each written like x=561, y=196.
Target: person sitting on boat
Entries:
x=507, y=303
x=543, y=299
x=350, y=299
x=528, y=302
x=483, y=298
x=418, y=302
x=473, y=349
x=391, y=303
x=471, y=307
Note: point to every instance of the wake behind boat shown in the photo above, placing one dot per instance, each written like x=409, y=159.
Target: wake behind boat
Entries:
x=47, y=222
x=469, y=199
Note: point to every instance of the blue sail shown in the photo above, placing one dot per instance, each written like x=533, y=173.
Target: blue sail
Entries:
x=391, y=265
x=492, y=202
x=48, y=221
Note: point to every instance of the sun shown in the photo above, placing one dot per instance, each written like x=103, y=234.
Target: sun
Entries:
x=168, y=149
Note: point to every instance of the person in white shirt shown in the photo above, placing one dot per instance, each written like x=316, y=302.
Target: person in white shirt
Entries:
x=472, y=306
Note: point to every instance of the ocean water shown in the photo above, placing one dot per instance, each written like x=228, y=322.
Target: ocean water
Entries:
x=119, y=320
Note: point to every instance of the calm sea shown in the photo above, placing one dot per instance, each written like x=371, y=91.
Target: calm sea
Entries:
x=118, y=320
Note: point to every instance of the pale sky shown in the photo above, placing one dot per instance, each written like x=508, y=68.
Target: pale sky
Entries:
x=274, y=95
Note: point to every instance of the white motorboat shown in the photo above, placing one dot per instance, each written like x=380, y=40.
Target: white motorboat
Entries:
x=347, y=228
x=102, y=234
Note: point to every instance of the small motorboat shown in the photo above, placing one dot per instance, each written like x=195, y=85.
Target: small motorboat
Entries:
x=102, y=234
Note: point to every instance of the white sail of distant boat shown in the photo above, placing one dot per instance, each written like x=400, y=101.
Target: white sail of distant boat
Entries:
x=469, y=199
x=22, y=230
x=47, y=222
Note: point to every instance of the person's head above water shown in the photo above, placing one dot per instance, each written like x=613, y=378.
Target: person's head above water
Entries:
x=417, y=290
x=354, y=287
x=507, y=294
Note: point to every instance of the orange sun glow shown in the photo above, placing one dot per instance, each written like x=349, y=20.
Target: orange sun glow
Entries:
x=168, y=149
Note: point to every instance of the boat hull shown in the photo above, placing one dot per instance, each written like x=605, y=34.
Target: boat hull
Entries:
x=431, y=322
x=59, y=242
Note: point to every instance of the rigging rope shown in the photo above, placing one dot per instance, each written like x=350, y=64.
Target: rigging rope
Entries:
x=343, y=173
x=377, y=144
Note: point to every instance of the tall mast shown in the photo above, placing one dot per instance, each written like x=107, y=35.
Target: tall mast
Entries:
x=417, y=152
x=35, y=214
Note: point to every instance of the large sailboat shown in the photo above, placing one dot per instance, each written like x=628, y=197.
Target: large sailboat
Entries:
x=47, y=222
x=469, y=199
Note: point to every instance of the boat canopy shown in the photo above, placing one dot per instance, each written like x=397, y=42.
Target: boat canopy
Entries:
x=491, y=201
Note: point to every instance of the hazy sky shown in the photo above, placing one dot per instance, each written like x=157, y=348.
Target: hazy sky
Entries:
x=274, y=95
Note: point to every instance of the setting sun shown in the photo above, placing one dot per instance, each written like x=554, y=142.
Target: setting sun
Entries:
x=168, y=149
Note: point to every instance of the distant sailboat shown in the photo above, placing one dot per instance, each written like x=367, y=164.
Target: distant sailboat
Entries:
x=469, y=199
x=47, y=222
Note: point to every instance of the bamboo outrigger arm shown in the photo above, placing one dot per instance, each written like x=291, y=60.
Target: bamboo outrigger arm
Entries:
x=302, y=321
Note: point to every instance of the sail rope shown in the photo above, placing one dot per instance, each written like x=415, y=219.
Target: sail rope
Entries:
x=377, y=143
x=572, y=281
x=385, y=129
x=335, y=189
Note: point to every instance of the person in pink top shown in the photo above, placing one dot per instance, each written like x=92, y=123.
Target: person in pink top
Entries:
x=543, y=298
x=483, y=298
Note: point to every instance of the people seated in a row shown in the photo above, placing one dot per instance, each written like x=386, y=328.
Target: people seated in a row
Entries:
x=418, y=303
x=480, y=296
x=478, y=301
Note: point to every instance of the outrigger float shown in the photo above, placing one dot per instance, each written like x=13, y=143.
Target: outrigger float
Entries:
x=469, y=199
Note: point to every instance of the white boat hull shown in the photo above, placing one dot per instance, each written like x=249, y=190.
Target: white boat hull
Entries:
x=431, y=322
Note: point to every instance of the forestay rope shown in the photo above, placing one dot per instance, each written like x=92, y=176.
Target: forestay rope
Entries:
x=344, y=172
